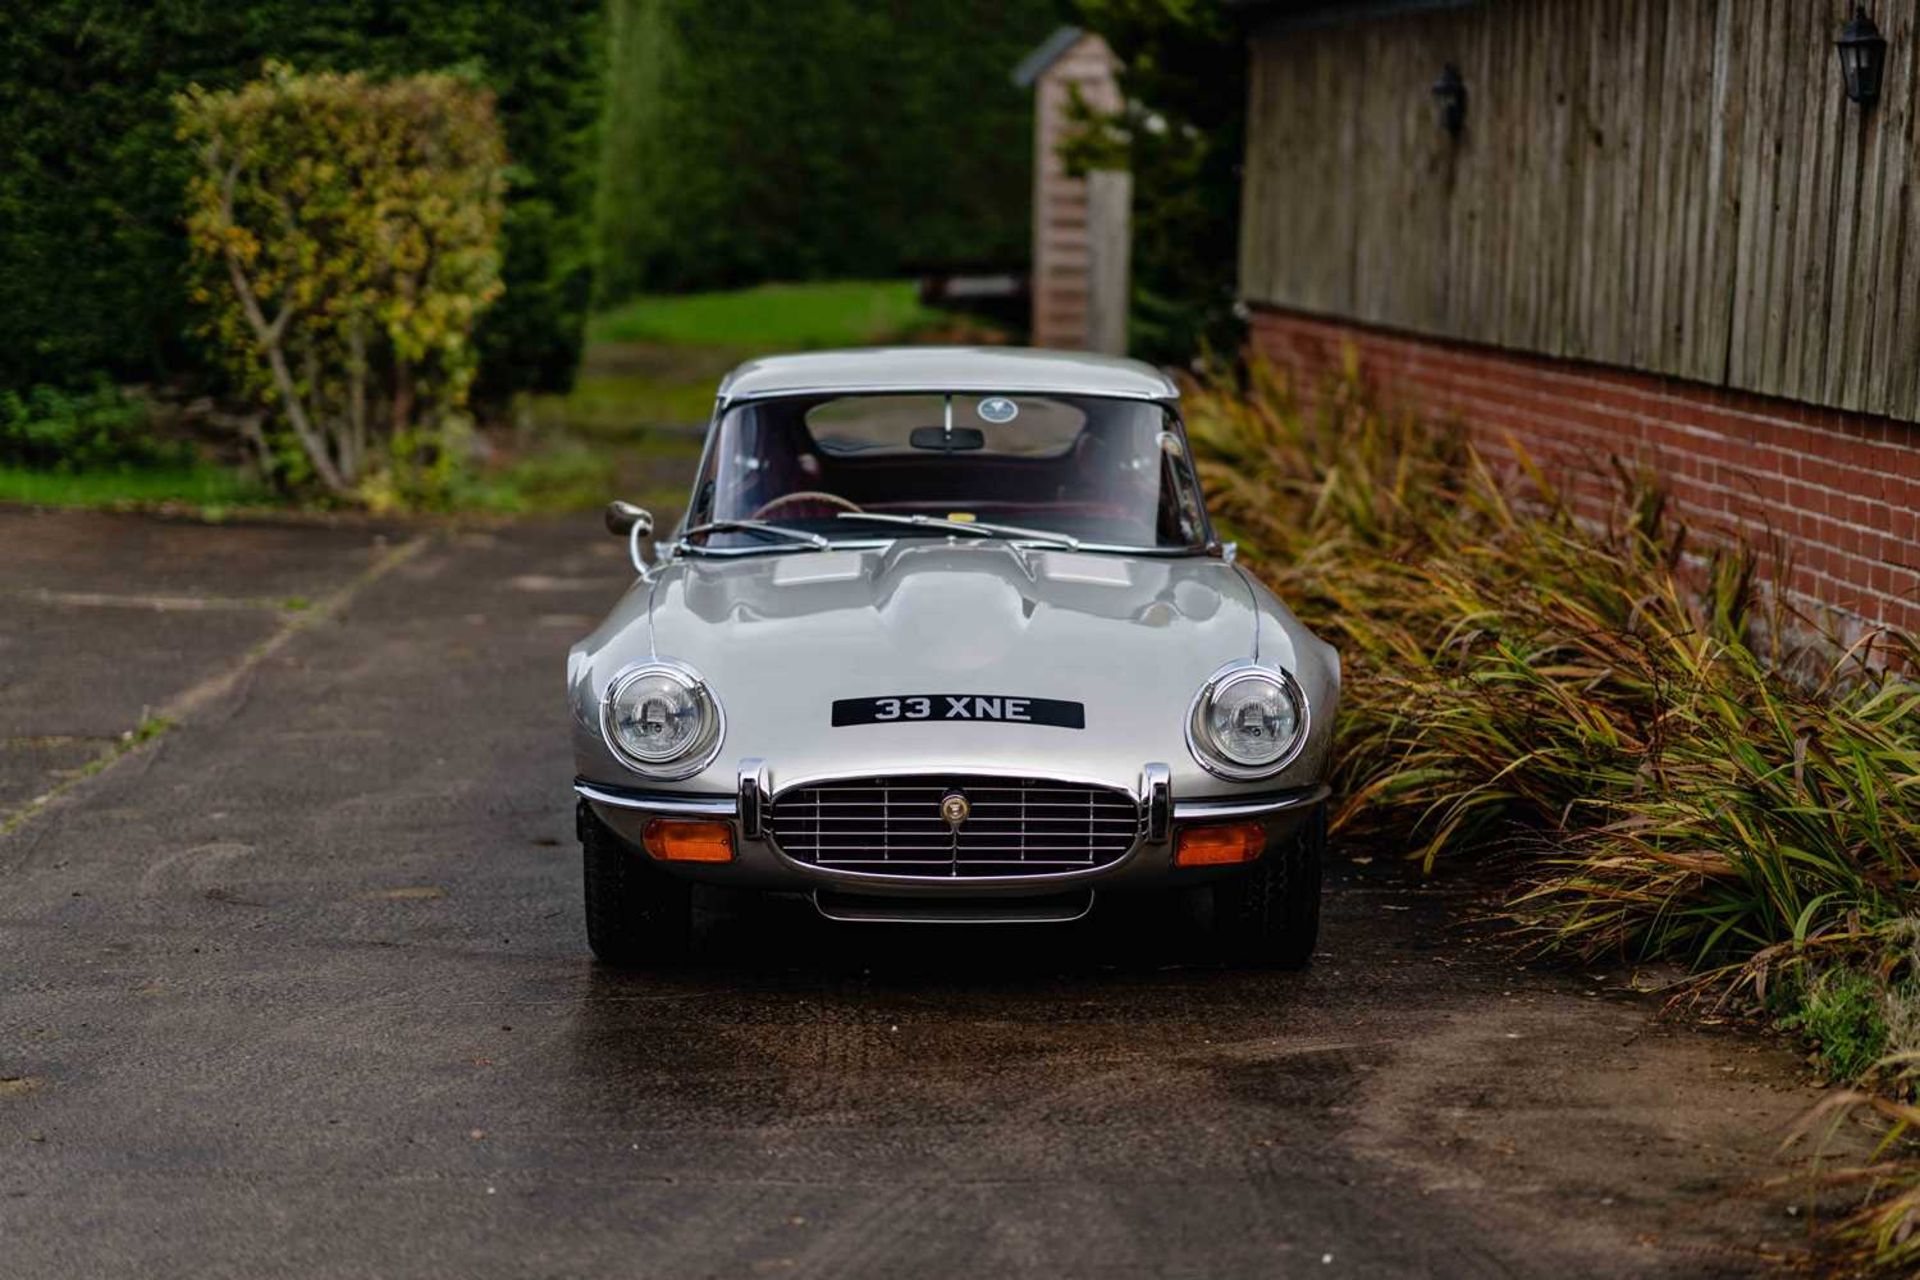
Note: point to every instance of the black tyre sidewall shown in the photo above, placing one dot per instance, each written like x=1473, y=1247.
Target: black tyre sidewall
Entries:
x=1271, y=915
x=636, y=914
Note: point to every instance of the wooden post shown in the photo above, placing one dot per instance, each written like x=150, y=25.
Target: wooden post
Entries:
x=1109, y=247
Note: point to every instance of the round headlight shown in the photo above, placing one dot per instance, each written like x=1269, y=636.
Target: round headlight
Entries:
x=1248, y=722
x=662, y=720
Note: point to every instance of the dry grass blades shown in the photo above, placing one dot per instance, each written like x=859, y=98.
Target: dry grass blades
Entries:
x=1686, y=768
x=1672, y=763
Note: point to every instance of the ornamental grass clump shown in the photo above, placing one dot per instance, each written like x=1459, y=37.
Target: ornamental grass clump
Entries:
x=345, y=239
x=1778, y=828
x=1619, y=713
x=1613, y=705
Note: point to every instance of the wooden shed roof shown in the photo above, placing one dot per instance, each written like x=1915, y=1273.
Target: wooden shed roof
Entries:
x=1044, y=55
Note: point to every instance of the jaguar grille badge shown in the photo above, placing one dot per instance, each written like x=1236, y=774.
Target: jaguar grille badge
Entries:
x=954, y=808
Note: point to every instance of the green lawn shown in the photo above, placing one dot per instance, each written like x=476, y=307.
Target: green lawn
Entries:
x=624, y=387
x=773, y=317
x=655, y=361
x=206, y=487
x=631, y=425
x=646, y=384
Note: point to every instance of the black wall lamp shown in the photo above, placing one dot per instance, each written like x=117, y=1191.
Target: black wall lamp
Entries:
x=1863, y=57
x=1450, y=92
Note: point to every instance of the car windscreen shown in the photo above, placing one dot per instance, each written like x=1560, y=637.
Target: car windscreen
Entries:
x=1103, y=471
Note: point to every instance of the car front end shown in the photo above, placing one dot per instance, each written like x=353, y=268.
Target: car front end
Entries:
x=909, y=717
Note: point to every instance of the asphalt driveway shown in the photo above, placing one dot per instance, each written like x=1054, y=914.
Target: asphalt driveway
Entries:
x=294, y=983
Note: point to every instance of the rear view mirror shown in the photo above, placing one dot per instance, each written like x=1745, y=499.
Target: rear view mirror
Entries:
x=947, y=440
x=623, y=518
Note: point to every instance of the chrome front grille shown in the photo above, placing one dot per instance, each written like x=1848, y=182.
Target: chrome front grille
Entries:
x=1015, y=826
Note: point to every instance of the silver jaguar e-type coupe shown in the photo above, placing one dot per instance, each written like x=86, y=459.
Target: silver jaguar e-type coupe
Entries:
x=945, y=635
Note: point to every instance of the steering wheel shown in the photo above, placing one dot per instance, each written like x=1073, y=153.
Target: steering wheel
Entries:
x=802, y=496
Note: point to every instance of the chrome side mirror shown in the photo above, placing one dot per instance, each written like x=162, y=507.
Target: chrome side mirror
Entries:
x=623, y=518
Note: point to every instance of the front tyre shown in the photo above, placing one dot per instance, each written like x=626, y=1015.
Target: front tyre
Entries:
x=637, y=916
x=1270, y=916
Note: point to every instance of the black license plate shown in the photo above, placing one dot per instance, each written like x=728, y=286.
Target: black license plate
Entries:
x=956, y=707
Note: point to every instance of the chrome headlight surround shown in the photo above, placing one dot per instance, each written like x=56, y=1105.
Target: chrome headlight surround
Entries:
x=705, y=745
x=1200, y=739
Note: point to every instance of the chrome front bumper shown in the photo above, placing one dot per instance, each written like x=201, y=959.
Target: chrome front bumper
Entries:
x=759, y=862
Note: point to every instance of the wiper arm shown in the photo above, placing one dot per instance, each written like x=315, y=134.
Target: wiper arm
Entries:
x=978, y=528
x=918, y=522
x=1068, y=541
x=753, y=526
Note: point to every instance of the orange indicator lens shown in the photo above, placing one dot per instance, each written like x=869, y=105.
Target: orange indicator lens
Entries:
x=672, y=841
x=1220, y=845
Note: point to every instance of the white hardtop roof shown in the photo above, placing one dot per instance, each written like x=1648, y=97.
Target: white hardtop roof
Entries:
x=1006, y=370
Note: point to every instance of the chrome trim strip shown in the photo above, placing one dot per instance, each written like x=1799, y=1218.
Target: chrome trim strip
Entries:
x=1156, y=797
x=957, y=884
x=1025, y=544
x=1251, y=807
x=933, y=917
x=929, y=771
x=671, y=806
x=1167, y=395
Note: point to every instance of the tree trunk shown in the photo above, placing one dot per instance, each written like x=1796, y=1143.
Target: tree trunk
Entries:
x=271, y=337
x=402, y=394
x=356, y=439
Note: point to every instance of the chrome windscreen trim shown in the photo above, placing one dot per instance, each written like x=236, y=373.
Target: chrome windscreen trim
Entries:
x=1167, y=395
x=670, y=806
x=1250, y=807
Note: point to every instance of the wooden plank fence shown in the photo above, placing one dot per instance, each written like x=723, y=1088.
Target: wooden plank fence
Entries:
x=1678, y=186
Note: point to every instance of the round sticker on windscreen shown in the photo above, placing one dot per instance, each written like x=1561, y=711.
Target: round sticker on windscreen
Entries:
x=998, y=409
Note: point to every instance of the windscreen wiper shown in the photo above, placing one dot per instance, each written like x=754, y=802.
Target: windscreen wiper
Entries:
x=978, y=528
x=752, y=526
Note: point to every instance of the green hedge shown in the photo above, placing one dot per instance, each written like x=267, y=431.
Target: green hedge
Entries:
x=91, y=242
x=752, y=140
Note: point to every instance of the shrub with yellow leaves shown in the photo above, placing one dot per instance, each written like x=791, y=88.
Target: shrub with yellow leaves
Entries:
x=345, y=238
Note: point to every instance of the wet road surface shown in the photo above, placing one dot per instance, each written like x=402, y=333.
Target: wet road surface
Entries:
x=299, y=987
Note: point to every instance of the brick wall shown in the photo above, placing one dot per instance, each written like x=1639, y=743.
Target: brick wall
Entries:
x=1840, y=491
